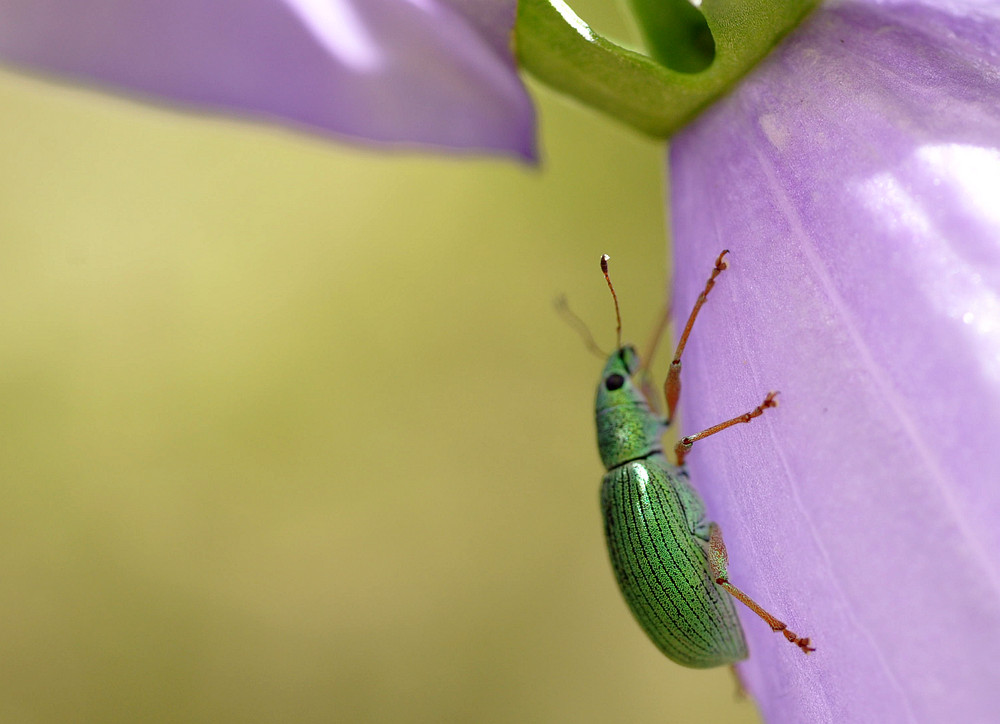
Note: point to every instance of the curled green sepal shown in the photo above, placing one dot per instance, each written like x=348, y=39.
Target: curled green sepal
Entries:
x=560, y=49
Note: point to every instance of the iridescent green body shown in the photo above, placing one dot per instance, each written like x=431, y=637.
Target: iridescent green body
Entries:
x=656, y=529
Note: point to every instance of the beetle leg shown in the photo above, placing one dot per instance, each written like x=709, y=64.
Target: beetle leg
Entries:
x=718, y=561
x=649, y=354
x=672, y=385
x=682, y=448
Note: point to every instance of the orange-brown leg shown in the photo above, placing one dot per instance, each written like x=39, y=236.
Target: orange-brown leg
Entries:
x=684, y=446
x=718, y=560
x=649, y=353
x=672, y=385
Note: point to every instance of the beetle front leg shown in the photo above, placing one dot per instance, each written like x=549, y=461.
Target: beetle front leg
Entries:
x=718, y=561
x=672, y=385
x=643, y=373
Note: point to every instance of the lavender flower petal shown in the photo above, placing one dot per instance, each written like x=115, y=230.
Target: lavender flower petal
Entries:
x=424, y=72
x=855, y=176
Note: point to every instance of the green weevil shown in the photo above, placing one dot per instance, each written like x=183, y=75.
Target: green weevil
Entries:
x=670, y=561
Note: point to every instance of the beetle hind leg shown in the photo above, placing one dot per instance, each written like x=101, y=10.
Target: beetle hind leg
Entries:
x=718, y=560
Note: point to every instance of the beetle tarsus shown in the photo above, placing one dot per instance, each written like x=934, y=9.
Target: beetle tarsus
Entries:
x=801, y=642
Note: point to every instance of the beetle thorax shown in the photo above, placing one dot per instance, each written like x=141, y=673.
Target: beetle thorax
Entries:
x=627, y=432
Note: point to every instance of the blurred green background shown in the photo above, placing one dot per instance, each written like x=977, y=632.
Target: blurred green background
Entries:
x=292, y=433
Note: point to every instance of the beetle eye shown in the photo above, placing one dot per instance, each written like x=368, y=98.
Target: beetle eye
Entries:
x=614, y=382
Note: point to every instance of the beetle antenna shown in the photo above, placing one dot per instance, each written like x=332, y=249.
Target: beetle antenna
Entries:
x=618, y=315
x=562, y=307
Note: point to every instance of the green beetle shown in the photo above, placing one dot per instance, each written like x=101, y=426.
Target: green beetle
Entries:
x=670, y=562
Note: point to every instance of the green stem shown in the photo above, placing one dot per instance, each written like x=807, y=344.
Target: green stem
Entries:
x=558, y=48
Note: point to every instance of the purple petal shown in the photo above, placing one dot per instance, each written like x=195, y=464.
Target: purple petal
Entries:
x=425, y=72
x=855, y=177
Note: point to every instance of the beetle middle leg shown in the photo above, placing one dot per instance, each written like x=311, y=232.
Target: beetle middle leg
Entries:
x=684, y=446
x=718, y=561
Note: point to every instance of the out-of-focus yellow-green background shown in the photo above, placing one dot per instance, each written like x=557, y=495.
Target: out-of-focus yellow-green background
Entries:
x=292, y=433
